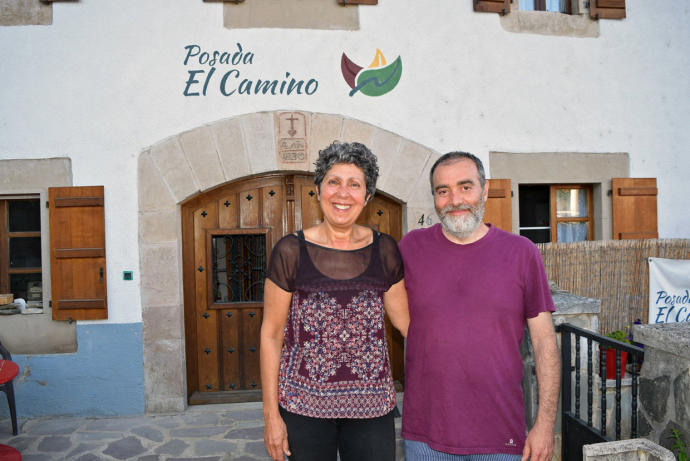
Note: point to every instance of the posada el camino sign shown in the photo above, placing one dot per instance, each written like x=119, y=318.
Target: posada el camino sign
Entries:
x=228, y=72
x=669, y=290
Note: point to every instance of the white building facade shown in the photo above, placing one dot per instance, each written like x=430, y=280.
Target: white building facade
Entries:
x=189, y=109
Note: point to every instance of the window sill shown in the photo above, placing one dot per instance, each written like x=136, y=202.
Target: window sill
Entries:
x=550, y=23
x=23, y=13
x=16, y=309
x=28, y=311
x=305, y=14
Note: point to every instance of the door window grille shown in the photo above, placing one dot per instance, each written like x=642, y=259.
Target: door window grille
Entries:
x=239, y=267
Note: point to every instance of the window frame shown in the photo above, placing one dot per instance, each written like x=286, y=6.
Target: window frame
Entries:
x=5, y=235
x=540, y=5
x=553, y=215
x=219, y=232
x=554, y=220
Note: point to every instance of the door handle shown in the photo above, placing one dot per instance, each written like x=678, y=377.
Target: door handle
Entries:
x=100, y=275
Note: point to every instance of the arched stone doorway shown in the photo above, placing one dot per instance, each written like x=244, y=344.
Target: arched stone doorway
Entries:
x=176, y=170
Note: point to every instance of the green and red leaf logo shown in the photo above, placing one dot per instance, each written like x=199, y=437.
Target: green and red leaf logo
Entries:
x=379, y=78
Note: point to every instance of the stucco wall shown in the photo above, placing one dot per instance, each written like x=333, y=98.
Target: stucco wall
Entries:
x=103, y=378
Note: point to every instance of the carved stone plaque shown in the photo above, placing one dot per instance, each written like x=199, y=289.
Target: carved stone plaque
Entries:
x=292, y=138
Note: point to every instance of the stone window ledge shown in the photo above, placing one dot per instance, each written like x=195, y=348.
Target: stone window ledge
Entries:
x=549, y=23
x=295, y=14
x=23, y=13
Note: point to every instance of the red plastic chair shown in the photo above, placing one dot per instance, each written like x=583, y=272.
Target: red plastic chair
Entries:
x=8, y=371
x=7, y=453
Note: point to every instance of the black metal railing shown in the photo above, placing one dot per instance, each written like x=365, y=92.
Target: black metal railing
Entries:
x=577, y=431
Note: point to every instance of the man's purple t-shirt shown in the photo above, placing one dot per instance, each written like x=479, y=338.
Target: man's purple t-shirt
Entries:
x=468, y=308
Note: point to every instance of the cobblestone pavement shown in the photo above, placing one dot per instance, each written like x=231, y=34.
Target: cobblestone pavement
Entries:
x=204, y=432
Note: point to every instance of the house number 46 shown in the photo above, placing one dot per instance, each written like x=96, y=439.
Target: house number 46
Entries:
x=422, y=221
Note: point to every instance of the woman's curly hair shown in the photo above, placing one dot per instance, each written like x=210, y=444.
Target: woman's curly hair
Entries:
x=352, y=153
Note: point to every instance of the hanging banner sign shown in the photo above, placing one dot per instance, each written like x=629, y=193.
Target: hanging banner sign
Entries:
x=669, y=290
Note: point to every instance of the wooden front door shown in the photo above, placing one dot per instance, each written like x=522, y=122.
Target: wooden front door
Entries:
x=228, y=235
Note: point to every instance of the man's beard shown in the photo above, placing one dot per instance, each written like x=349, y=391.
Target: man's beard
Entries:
x=461, y=226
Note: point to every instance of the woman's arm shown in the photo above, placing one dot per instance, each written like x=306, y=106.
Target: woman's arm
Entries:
x=276, y=308
x=395, y=303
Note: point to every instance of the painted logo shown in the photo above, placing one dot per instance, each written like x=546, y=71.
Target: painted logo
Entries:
x=379, y=78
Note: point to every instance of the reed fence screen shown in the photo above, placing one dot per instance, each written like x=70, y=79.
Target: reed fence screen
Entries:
x=614, y=271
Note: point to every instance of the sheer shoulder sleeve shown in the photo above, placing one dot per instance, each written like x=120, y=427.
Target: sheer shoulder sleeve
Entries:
x=391, y=259
x=282, y=268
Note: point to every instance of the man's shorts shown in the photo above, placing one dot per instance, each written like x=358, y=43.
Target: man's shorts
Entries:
x=420, y=451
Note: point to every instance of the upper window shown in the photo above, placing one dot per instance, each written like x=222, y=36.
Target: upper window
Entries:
x=579, y=18
x=20, y=249
x=556, y=213
x=558, y=6
x=598, y=9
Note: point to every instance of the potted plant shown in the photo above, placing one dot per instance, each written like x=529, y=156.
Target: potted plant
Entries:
x=610, y=354
x=679, y=446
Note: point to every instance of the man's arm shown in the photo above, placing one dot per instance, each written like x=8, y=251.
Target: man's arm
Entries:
x=539, y=443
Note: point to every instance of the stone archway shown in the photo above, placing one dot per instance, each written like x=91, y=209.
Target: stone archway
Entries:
x=184, y=165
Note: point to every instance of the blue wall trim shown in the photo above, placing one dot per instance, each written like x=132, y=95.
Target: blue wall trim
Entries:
x=105, y=377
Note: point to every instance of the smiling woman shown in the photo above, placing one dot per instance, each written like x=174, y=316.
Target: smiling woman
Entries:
x=342, y=196
x=323, y=341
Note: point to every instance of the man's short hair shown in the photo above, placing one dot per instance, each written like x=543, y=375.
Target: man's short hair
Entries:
x=452, y=157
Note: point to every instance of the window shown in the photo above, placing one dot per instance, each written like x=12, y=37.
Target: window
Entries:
x=558, y=6
x=239, y=268
x=578, y=18
x=556, y=213
x=598, y=9
x=20, y=249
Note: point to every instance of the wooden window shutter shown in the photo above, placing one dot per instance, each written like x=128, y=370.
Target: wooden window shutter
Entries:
x=77, y=253
x=607, y=9
x=498, y=208
x=492, y=6
x=634, y=208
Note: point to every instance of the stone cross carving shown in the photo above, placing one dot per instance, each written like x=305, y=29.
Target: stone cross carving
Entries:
x=291, y=137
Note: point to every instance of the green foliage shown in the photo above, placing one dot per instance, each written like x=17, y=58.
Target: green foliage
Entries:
x=679, y=447
x=619, y=335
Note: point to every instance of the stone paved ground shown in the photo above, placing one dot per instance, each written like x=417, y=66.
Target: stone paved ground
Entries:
x=207, y=432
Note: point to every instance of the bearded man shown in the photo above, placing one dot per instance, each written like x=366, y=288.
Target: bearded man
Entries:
x=472, y=288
